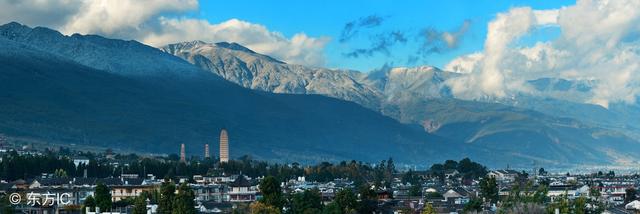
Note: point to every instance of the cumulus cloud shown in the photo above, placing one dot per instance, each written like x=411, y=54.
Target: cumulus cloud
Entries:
x=599, y=42
x=464, y=64
x=159, y=22
x=122, y=18
x=435, y=41
x=50, y=13
x=299, y=49
x=351, y=28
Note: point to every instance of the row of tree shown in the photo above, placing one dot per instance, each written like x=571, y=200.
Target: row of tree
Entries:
x=524, y=197
x=274, y=201
x=168, y=201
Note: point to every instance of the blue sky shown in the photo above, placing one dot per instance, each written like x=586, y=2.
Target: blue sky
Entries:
x=328, y=18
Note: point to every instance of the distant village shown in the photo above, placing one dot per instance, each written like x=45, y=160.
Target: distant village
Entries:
x=67, y=181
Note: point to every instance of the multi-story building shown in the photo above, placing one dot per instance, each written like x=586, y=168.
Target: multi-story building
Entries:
x=242, y=190
x=211, y=192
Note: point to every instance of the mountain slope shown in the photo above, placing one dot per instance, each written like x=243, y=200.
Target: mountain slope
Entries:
x=252, y=70
x=522, y=132
x=116, y=56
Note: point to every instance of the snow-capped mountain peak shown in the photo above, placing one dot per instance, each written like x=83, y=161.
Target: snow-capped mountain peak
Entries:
x=247, y=68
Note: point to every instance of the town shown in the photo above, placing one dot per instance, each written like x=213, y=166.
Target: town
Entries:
x=61, y=180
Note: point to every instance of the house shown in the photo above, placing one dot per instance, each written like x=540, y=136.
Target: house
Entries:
x=242, y=190
x=50, y=183
x=215, y=207
x=129, y=188
x=457, y=196
x=504, y=175
x=451, y=194
x=572, y=191
x=21, y=184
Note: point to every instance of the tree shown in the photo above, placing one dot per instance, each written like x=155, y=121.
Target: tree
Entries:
x=90, y=202
x=489, y=189
x=561, y=204
x=332, y=208
x=391, y=168
x=428, y=209
x=167, y=195
x=541, y=171
x=261, y=208
x=183, y=202
x=368, y=199
x=5, y=206
x=103, y=197
x=540, y=195
x=415, y=190
x=140, y=205
x=580, y=205
x=346, y=200
x=470, y=169
x=594, y=192
x=450, y=164
x=60, y=173
x=630, y=195
x=309, y=201
x=271, y=192
x=473, y=205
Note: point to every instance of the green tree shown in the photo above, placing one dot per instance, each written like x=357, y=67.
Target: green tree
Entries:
x=428, y=209
x=167, y=195
x=580, y=205
x=103, y=197
x=90, y=202
x=415, y=190
x=594, y=192
x=309, y=201
x=561, y=204
x=261, y=208
x=346, y=200
x=489, y=189
x=540, y=195
x=271, y=192
x=60, y=173
x=368, y=199
x=541, y=171
x=473, y=205
x=140, y=205
x=332, y=208
x=630, y=195
x=184, y=201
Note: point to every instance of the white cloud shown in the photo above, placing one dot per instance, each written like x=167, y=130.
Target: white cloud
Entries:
x=159, y=22
x=122, y=17
x=53, y=13
x=599, y=42
x=299, y=49
x=489, y=79
x=464, y=64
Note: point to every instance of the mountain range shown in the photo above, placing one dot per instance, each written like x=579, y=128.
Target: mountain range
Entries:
x=88, y=89
x=542, y=130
